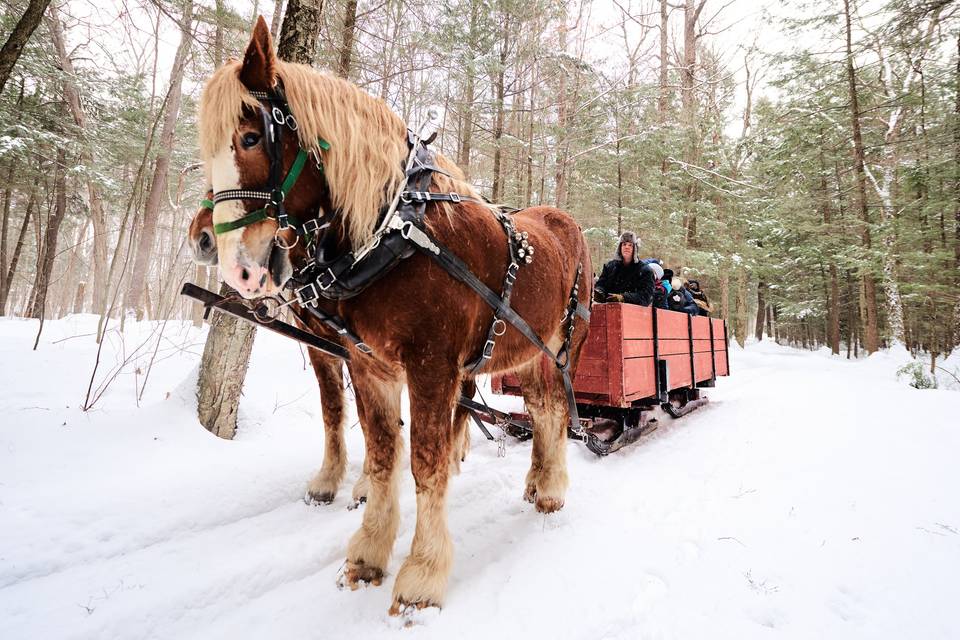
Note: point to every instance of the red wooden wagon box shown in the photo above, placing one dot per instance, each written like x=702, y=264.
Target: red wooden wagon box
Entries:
x=636, y=358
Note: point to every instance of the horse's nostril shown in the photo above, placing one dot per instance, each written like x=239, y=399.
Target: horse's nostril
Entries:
x=244, y=274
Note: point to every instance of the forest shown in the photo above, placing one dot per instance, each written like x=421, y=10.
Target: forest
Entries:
x=800, y=159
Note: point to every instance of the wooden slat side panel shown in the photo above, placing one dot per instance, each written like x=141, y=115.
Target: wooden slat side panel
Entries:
x=701, y=327
x=671, y=324
x=637, y=322
x=638, y=348
x=701, y=346
x=678, y=371
x=722, y=366
x=674, y=346
x=614, y=320
x=701, y=363
x=638, y=378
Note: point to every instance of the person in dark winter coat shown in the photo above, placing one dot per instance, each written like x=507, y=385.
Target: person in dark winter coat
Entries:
x=699, y=297
x=623, y=279
x=681, y=300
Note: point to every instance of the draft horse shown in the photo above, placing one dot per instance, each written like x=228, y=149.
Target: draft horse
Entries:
x=420, y=325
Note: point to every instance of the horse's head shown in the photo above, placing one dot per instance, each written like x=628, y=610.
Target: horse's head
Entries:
x=259, y=119
x=200, y=237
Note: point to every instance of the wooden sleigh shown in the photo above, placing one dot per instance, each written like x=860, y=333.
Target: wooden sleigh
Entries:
x=636, y=359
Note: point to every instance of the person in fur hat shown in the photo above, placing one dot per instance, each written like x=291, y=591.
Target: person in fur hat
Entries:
x=626, y=278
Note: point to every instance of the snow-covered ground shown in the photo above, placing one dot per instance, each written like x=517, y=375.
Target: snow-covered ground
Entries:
x=813, y=498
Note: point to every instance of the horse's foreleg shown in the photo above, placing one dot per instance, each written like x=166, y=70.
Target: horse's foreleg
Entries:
x=422, y=580
x=461, y=428
x=329, y=372
x=378, y=403
x=545, y=400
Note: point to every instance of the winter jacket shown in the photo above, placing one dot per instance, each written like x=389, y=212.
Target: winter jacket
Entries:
x=660, y=296
x=700, y=298
x=631, y=280
x=682, y=300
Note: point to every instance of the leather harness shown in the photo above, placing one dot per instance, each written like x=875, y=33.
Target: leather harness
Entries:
x=401, y=231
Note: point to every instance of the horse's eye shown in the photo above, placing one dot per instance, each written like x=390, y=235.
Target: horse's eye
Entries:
x=250, y=139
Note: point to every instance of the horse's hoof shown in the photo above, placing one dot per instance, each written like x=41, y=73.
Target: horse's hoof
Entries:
x=319, y=497
x=530, y=494
x=413, y=613
x=357, y=502
x=356, y=574
x=548, y=505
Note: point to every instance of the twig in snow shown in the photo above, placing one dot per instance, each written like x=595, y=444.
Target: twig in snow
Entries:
x=936, y=533
x=948, y=528
x=734, y=539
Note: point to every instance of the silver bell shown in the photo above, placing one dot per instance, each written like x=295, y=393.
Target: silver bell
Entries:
x=524, y=244
x=530, y=250
x=521, y=252
x=525, y=235
x=529, y=258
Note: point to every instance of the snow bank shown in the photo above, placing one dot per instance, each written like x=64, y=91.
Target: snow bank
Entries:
x=813, y=497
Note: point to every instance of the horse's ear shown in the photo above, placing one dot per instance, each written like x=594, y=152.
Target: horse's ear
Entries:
x=258, y=72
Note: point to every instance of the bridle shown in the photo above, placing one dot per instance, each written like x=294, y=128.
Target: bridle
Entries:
x=275, y=114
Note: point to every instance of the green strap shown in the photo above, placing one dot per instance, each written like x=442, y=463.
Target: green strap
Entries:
x=261, y=214
x=250, y=218
x=294, y=172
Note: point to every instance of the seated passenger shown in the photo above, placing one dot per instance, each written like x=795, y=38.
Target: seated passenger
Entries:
x=681, y=300
x=622, y=279
x=662, y=289
x=699, y=297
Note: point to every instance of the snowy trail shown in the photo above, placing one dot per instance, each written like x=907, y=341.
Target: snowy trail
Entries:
x=813, y=497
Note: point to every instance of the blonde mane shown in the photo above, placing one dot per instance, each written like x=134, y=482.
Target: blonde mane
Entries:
x=368, y=142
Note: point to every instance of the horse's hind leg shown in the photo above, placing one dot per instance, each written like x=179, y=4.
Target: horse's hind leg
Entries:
x=461, y=428
x=545, y=399
x=422, y=580
x=329, y=372
x=369, y=549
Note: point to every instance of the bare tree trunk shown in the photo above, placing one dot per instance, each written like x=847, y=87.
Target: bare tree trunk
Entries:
x=869, y=282
x=158, y=187
x=226, y=354
x=761, y=310
x=956, y=212
x=833, y=291
x=346, y=39
x=300, y=31
x=663, y=96
x=742, y=318
x=11, y=270
x=18, y=38
x=95, y=200
x=691, y=14
x=466, y=114
x=498, y=82
x=48, y=251
x=274, y=22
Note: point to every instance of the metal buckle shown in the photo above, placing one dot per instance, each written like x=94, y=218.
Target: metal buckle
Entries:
x=292, y=122
x=333, y=278
x=455, y=197
x=363, y=347
x=304, y=300
x=498, y=322
x=278, y=116
x=512, y=272
x=488, y=349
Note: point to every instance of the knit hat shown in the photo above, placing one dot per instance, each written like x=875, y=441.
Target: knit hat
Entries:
x=631, y=237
